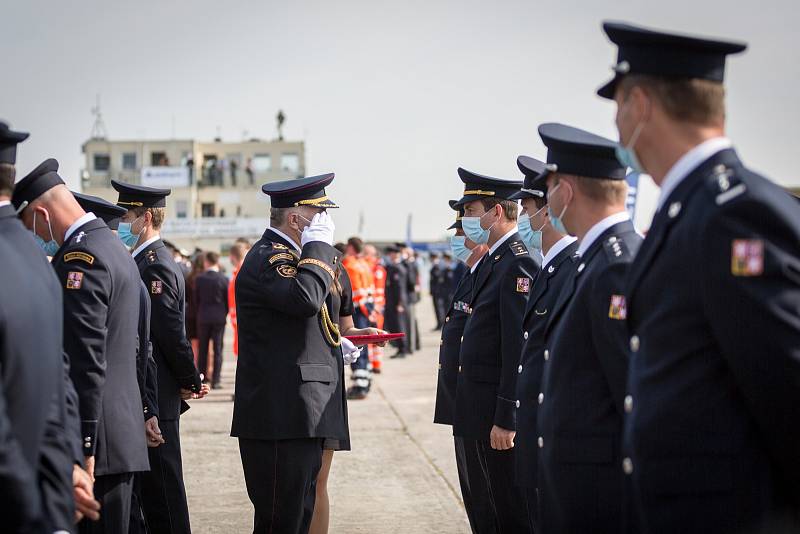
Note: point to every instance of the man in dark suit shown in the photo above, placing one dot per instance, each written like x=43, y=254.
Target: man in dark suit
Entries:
x=36, y=466
x=475, y=494
x=100, y=336
x=484, y=415
x=396, y=291
x=579, y=418
x=559, y=256
x=163, y=493
x=289, y=396
x=712, y=429
x=211, y=291
x=438, y=289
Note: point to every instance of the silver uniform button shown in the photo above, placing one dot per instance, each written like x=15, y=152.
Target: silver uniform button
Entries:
x=540, y=441
x=519, y=369
x=517, y=404
x=581, y=267
x=546, y=355
x=634, y=343
x=541, y=398
x=525, y=335
x=627, y=466
x=628, y=404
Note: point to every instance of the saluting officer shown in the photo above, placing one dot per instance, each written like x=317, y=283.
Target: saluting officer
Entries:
x=579, y=417
x=99, y=290
x=485, y=393
x=712, y=429
x=559, y=262
x=475, y=495
x=163, y=494
x=36, y=464
x=145, y=364
x=290, y=374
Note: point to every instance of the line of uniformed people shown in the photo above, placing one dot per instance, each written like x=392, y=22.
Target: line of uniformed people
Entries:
x=622, y=384
x=95, y=366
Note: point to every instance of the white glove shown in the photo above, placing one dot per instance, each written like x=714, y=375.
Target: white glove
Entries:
x=320, y=229
x=350, y=352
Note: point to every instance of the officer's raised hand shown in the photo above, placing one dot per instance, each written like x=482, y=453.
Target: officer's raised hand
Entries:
x=320, y=229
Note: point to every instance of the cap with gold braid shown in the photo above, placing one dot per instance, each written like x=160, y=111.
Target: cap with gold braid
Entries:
x=477, y=186
x=308, y=191
x=138, y=196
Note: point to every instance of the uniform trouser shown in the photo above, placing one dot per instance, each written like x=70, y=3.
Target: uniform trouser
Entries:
x=360, y=367
x=281, y=480
x=215, y=333
x=474, y=490
x=440, y=307
x=113, y=492
x=163, y=494
x=411, y=328
x=532, y=503
x=508, y=501
x=137, y=524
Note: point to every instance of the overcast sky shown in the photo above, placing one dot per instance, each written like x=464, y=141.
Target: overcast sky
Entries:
x=391, y=96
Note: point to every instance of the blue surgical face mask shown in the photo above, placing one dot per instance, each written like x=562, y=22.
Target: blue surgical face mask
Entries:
x=556, y=220
x=626, y=154
x=458, y=246
x=531, y=237
x=49, y=247
x=472, y=227
x=128, y=238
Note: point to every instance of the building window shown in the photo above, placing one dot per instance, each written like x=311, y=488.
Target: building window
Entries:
x=262, y=163
x=290, y=163
x=102, y=162
x=129, y=161
x=159, y=159
x=207, y=209
x=181, y=209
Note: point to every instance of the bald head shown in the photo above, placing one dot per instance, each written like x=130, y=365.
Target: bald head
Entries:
x=56, y=209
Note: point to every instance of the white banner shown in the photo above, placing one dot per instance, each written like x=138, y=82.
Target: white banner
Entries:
x=165, y=177
x=214, y=227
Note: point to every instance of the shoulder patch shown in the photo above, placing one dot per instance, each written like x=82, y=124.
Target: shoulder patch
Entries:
x=156, y=287
x=747, y=257
x=523, y=284
x=618, y=308
x=287, y=271
x=518, y=248
x=279, y=246
x=74, y=280
x=280, y=256
x=615, y=247
x=79, y=256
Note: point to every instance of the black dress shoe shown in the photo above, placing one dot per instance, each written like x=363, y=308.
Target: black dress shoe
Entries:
x=356, y=393
x=399, y=354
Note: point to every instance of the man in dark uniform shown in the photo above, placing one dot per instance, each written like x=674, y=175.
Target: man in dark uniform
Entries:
x=712, y=429
x=485, y=398
x=145, y=364
x=475, y=495
x=211, y=292
x=408, y=260
x=163, y=493
x=448, y=268
x=289, y=396
x=579, y=418
x=36, y=465
x=396, y=313
x=100, y=336
x=559, y=252
x=437, y=286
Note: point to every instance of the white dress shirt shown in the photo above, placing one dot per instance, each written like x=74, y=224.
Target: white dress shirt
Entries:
x=560, y=245
x=144, y=245
x=77, y=224
x=600, y=227
x=287, y=238
x=689, y=162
